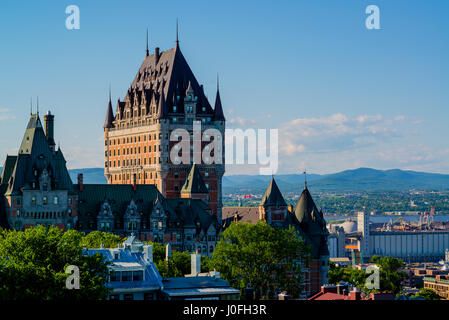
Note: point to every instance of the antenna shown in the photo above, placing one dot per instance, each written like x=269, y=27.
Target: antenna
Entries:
x=37, y=105
x=177, y=38
x=147, y=52
x=305, y=179
x=218, y=83
x=31, y=106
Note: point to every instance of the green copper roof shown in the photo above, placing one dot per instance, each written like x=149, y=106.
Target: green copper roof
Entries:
x=194, y=183
x=273, y=196
x=312, y=222
x=35, y=155
x=8, y=169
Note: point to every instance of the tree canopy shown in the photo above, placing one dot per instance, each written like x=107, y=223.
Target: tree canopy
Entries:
x=95, y=239
x=270, y=259
x=33, y=264
x=389, y=271
x=428, y=294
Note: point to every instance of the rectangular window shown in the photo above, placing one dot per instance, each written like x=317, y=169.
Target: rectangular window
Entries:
x=126, y=275
x=115, y=276
x=137, y=275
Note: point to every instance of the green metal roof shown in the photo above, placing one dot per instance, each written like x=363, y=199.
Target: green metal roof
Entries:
x=194, y=182
x=273, y=196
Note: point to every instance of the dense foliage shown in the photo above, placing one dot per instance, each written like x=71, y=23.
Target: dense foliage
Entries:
x=96, y=239
x=428, y=294
x=389, y=271
x=270, y=259
x=33, y=264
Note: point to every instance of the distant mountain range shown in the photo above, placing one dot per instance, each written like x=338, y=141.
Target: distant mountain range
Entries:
x=362, y=179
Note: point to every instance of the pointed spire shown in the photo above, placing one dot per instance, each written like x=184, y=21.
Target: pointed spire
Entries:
x=305, y=179
x=194, y=182
x=109, y=113
x=218, y=109
x=147, y=52
x=273, y=196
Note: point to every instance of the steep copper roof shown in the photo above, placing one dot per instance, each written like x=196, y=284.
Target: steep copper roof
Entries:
x=218, y=109
x=273, y=196
x=311, y=221
x=35, y=155
x=194, y=182
x=305, y=209
x=168, y=71
x=109, y=116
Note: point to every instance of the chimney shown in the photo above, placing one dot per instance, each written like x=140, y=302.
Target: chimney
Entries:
x=148, y=253
x=156, y=55
x=283, y=296
x=355, y=294
x=195, y=264
x=49, y=126
x=167, y=252
x=80, y=182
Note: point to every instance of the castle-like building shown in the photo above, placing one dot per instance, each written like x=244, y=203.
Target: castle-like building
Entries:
x=139, y=138
x=305, y=217
x=147, y=194
x=36, y=189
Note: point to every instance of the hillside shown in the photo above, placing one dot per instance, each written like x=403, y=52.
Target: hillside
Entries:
x=361, y=179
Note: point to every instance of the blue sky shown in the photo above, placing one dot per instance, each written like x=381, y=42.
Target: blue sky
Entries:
x=342, y=96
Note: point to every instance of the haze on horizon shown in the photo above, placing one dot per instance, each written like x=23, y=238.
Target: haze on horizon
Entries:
x=342, y=96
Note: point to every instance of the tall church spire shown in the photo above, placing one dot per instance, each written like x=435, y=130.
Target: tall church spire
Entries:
x=109, y=113
x=218, y=110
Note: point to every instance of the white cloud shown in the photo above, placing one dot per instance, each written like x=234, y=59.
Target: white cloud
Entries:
x=6, y=114
x=336, y=133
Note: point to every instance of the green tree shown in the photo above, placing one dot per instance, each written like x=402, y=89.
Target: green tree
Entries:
x=350, y=275
x=390, y=274
x=177, y=266
x=33, y=264
x=95, y=239
x=428, y=294
x=271, y=259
